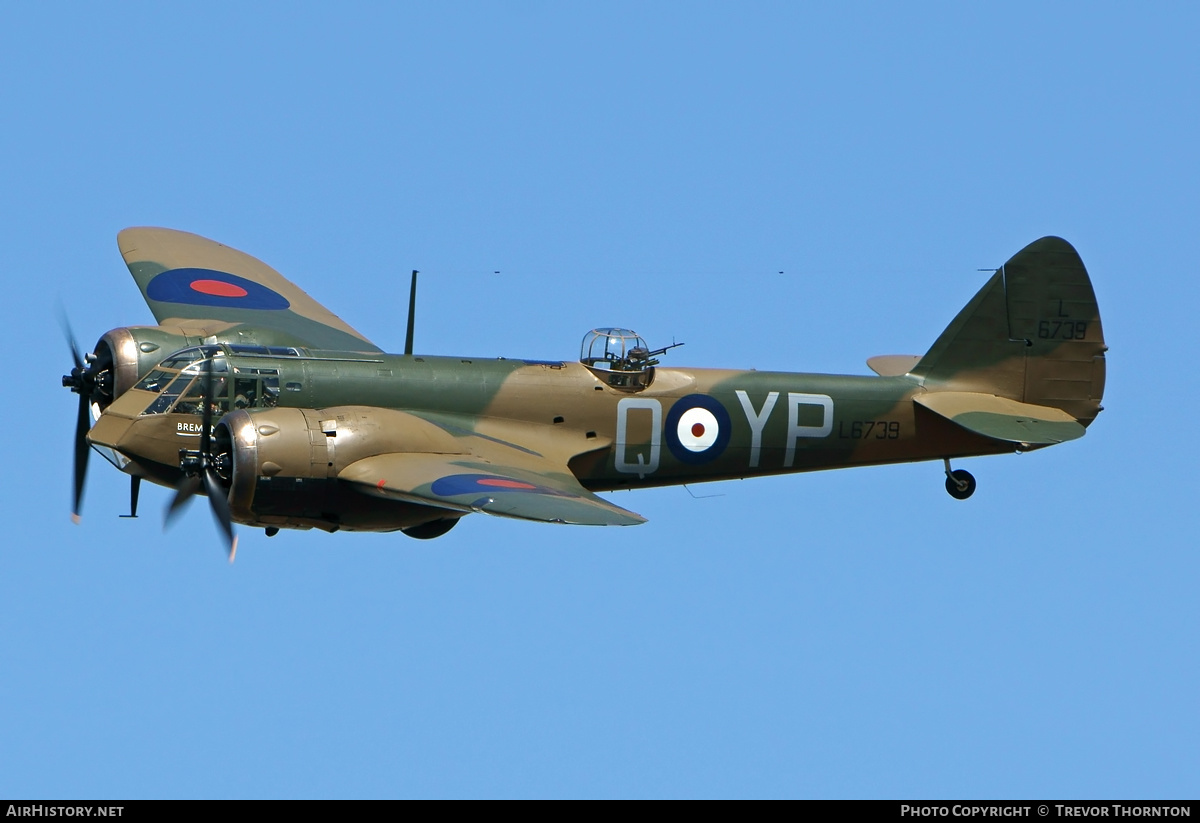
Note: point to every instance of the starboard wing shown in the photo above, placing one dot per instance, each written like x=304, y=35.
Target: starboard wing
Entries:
x=1002, y=419
x=493, y=479
x=186, y=278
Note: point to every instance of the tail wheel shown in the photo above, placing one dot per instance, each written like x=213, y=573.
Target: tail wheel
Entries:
x=960, y=484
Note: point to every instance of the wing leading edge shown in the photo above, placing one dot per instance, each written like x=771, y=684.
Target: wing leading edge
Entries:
x=186, y=278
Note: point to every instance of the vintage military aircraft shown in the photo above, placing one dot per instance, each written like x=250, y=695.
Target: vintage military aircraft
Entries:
x=250, y=392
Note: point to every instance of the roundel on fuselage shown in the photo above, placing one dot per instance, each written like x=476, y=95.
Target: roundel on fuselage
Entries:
x=697, y=429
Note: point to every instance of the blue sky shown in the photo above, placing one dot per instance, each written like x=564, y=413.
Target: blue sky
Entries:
x=656, y=166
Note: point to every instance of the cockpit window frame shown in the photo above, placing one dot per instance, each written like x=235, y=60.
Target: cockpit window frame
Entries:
x=176, y=379
x=616, y=349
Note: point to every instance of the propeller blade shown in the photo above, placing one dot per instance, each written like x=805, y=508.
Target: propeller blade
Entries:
x=206, y=411
x=70, y=335
x=183, y=495
x=207, y=476
x=82, y=425
x=220, y=510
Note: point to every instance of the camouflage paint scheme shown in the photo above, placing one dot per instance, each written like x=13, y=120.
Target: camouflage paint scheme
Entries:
x=359, y=439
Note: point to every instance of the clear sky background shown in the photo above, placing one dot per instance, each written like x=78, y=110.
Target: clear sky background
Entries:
x=838, y=634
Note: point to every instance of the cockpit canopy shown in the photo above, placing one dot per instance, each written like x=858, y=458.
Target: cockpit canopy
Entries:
x=180, y=380
x=614, y=350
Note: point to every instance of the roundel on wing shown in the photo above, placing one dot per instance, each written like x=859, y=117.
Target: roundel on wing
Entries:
x=697, y=429
x=456, y=484
x=207, y=287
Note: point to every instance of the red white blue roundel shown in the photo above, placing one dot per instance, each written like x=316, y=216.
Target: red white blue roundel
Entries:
x=697, y=429
x=207, y=287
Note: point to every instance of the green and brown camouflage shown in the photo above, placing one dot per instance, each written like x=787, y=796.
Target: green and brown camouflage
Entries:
x=314, y=427
x=287, y=316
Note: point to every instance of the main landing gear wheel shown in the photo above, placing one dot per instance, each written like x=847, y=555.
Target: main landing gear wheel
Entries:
x=960, y=483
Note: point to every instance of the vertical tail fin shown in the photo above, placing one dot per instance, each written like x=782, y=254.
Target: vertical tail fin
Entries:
x=1031, y=334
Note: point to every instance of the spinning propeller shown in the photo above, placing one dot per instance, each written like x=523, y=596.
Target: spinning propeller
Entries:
x=91, y=379
x=200, y=470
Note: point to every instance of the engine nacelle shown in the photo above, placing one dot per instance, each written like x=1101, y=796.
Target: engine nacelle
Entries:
x=127, y=354
x=303, y=451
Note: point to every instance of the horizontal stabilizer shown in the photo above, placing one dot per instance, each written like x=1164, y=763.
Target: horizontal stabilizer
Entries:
x=1002, y=419
x=893, y=365
x=466, y=483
